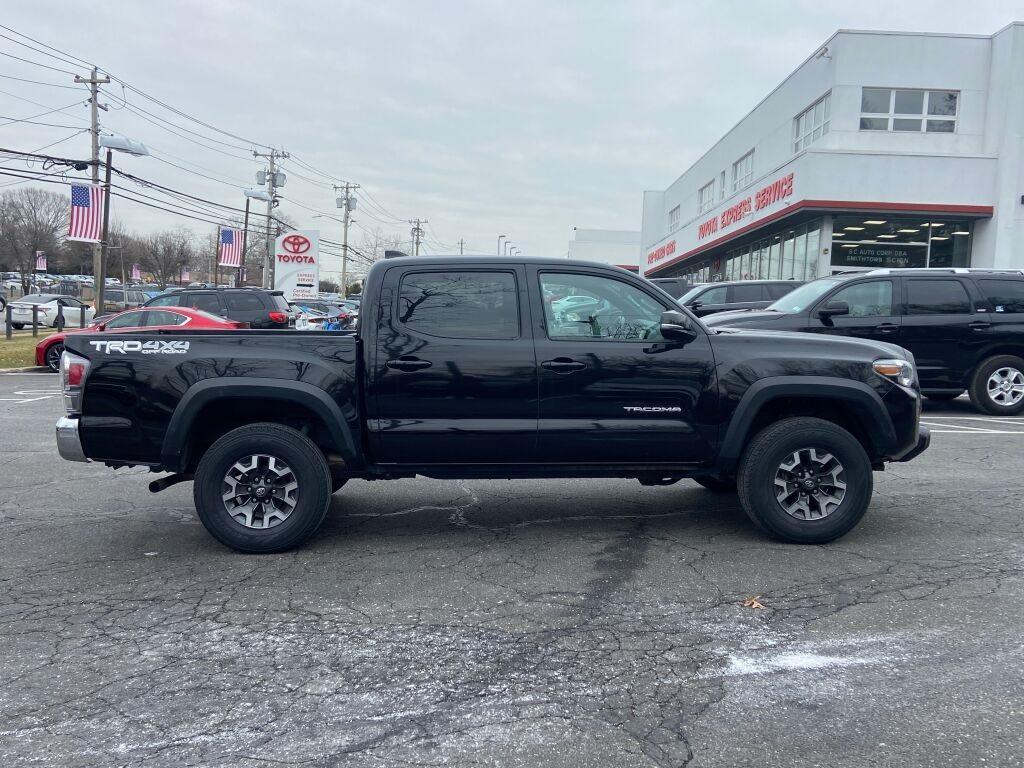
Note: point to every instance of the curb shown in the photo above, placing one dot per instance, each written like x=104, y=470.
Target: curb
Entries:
x=33, y=369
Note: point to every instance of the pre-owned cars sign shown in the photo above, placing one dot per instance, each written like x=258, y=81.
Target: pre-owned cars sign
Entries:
x=297, y=264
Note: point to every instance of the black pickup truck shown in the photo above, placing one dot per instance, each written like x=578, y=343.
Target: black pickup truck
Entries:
x=480, y=368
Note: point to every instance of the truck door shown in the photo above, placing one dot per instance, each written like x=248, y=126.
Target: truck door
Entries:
x=454, y=373
x=612, y=390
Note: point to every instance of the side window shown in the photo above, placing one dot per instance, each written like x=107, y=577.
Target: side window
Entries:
x=713, y=296
x=742, y=293
x=870, y=299
x=163, y=317
x=242, y=301
x=937, y=297
x=208, y=302
x=460, y=305
x=601, y=308
x=1005, y=295
x=778, y=290
x=127, y=320
x=170, y=300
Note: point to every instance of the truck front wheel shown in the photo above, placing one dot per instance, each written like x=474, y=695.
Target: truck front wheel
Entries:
x=805, y=480
x=262, y=488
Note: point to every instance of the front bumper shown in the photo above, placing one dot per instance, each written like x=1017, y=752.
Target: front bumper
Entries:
x=69, y=442
x=924, y=438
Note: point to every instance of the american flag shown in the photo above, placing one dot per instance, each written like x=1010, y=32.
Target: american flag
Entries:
x=40, y=261
x=231, y=247
x=86, y=213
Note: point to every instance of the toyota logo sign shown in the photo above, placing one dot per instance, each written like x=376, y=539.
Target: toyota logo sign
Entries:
x=295, y=244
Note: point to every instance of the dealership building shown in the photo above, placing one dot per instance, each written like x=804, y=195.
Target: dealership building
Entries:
x=882, y=149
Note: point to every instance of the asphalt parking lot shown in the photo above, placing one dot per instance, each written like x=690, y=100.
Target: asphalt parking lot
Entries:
x=532, y=623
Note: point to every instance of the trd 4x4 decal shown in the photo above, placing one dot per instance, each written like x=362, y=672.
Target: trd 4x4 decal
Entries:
x=145, y=347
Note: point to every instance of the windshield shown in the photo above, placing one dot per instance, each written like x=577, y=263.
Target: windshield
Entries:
x=798, y=300
x=691, y=293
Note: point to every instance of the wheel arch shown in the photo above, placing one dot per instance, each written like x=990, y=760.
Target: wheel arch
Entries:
x=853, y=405
x=212, y=407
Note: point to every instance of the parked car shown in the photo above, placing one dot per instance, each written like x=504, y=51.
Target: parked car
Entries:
x=964, y=327
x=49, y=350
x=710, y=298
x=120, y=299
x=334, y=309
x=258, y=307
x=47, y=314
x=457, y=373
x=673, y=286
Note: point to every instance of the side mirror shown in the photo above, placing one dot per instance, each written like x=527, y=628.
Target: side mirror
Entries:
x=833, y=309
x=677, y=327
x=695, y=304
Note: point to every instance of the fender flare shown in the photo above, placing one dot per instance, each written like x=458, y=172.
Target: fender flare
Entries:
x=863, y=401
x=174, y=449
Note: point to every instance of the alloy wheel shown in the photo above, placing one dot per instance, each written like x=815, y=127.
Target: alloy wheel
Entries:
x=810, y=484
x=260, y=491
x=1006, y=386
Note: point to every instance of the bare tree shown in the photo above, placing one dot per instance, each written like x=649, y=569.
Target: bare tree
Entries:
x=166, y=254
x=31, y=220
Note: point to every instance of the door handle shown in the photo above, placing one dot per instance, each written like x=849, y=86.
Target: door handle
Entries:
x=887, y=327
x=979, y=325
x=563, y=365
x=408, y=364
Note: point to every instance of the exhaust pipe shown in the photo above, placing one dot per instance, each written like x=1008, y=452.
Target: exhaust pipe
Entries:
x=163, y=483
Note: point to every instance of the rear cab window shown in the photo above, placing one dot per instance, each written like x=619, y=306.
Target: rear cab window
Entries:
x=460, y=305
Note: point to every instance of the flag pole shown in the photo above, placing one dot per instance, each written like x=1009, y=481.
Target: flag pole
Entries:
x=101, y=278
x=245, y=238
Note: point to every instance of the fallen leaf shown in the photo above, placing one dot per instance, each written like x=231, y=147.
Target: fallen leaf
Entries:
x=753, y=602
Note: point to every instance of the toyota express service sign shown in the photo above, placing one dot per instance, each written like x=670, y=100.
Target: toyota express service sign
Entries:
x=297, y=264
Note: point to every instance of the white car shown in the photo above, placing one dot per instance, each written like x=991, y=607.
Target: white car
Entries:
x=21, y=310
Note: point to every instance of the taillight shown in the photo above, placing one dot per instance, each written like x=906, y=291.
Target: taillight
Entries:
x=73, y=371
x=278, y=317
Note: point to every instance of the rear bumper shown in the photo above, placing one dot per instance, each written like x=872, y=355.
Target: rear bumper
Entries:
x=69, y=442
x=924, y=438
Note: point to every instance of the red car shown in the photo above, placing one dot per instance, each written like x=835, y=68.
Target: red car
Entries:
x=49, y=350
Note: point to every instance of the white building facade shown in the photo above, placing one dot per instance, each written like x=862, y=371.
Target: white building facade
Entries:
x=609, y=246
x=882, y=149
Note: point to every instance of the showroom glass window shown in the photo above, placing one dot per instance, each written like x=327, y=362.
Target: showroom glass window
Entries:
x=811, y=124
x=909, y=110
x=877, y=241
x=460, y=305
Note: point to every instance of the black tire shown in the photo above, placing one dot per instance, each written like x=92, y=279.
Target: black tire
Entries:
x=308, y=468
x=943, y=397
x=18, y=326
x=764, y=457
x=983, y=398
x=53, y=354
x=716, y=484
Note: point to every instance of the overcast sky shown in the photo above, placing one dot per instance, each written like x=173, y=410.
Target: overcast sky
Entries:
x=520, y=118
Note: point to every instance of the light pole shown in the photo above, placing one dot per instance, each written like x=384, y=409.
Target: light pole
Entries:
x=251, y=193
x=111, y=143
x=500, y=238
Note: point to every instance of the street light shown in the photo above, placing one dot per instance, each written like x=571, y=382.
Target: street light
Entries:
x=251, y=193
x=504, y=251
x=500, y=238
x=112, y=143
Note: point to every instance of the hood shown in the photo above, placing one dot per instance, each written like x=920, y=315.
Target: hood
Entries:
x=800, y=343
x=733, y=317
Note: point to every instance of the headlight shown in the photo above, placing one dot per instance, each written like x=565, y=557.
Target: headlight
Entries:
x=900, y=371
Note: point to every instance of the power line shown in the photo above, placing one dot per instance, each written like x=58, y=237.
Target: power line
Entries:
x=40, y=42
x=28, y=121
x=36, y=63
x=30, y=118
x=38, y=82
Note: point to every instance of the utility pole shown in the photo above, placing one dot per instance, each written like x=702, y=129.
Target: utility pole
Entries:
x=417, y=234
x=462, y=246
x=272, y=186
x=348, y=202
x=94, y=81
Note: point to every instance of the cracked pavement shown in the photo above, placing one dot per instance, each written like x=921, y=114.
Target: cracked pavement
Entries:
x=512, y=623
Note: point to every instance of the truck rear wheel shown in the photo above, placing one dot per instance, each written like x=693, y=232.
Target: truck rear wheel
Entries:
x=262, y=488
x=805, y=480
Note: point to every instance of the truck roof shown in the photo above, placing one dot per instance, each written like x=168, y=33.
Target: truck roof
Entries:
x=496, y=260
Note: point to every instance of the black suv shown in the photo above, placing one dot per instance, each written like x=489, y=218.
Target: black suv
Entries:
x=711, y=298
x=258, y=307
x=965, y=327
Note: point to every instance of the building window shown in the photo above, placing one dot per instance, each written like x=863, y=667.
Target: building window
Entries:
x=673, y=218
x=908, y=110
x=811, y=124
x=743, y=171
x=706, y=196
x=871, y=241
x=721, y=186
